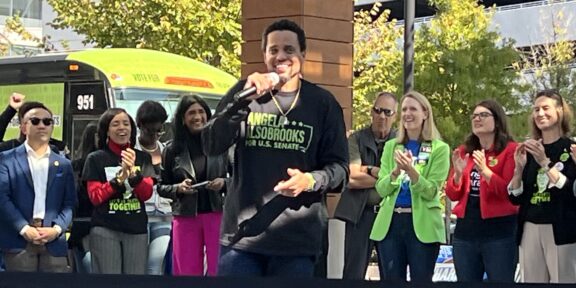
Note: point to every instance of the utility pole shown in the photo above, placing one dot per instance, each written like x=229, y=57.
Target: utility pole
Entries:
x=409, y=11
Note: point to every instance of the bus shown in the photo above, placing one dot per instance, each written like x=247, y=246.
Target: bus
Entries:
x=79, y=86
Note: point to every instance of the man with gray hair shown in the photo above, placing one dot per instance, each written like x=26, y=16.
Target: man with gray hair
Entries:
x=359, y=204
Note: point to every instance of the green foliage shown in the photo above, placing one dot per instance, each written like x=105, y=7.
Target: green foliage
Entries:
x=208, y=31
x=519, y=123
x=14, y=25
x=459, y=61
x=377, y=60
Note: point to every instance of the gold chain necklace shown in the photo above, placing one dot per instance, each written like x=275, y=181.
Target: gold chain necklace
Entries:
x=284, y=117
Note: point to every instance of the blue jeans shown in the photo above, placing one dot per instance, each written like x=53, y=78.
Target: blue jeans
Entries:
x=495, y=257
x=158, y=246
x=234, y=262
x=82, y=263
x=401, y=248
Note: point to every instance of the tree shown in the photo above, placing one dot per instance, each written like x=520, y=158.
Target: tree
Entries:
x=459, y=61
x=208, y=31
x=551, y=65
x=377, y=60
x=13, y=29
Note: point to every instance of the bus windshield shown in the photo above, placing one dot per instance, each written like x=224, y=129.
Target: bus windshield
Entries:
x=131, y=98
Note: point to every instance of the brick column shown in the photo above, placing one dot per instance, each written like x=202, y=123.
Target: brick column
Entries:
x=329, y=32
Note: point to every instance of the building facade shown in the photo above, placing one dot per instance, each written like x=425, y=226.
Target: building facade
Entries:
x=529, y=23
x=35, y=16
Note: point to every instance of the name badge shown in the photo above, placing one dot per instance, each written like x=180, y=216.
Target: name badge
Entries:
x=424, y=154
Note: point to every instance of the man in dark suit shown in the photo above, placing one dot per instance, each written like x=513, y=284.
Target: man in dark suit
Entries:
x=37, y=196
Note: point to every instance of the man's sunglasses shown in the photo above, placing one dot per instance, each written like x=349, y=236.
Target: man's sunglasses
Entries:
x=46, y=121
x=387, y=112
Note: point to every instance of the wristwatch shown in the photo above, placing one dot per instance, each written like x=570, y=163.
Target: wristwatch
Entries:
x=369, y=170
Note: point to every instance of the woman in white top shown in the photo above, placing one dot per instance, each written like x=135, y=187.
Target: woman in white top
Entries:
x=150, y=119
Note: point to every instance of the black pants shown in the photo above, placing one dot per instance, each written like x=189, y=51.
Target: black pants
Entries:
x=358, y=246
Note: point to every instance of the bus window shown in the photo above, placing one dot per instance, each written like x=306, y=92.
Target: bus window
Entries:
x=80, y=86
x=131, y=98
x=50, y=94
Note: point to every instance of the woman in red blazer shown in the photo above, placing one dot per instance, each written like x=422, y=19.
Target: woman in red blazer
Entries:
x=484, y=239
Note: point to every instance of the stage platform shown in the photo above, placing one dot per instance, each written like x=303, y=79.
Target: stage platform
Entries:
x=46, y=280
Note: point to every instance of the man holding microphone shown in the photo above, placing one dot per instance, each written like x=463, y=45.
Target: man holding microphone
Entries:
x=290, y=148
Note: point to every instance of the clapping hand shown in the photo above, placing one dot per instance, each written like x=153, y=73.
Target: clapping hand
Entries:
x=520, y=157
x=403, y=160
x=479, y=157
x=128, y=160
x=536, y=148
x=458, y=162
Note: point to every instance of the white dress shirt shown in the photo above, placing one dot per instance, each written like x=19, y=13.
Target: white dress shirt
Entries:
x=39, y=169
x=39, y=166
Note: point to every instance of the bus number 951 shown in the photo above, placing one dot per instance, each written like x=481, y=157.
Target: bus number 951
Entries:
x=85, y=102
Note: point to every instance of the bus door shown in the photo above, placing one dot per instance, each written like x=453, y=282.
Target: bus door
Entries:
x=85, y=102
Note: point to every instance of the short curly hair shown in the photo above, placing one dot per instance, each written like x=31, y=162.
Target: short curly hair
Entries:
x=150, y=112
x=285, y=25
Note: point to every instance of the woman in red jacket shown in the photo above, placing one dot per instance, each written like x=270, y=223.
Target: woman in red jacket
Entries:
x=484, y=239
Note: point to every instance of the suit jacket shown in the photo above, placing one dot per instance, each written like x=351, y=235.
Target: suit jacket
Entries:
x=177, y=166
x=494, y=194
x=426, y=207
x=17, y=198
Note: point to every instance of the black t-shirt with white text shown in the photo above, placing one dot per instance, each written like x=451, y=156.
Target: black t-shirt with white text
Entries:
x=122, y=212
x=540, y=209
x=473, y=227
x=311, y=138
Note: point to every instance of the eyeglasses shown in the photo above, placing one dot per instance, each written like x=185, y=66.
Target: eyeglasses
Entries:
x=387, y=112
x=481, y=115
x=46, y=121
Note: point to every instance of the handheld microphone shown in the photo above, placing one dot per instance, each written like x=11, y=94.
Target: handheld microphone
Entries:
x=242, y=95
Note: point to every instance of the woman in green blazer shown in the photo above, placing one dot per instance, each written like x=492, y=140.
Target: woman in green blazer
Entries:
x=409, y=226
